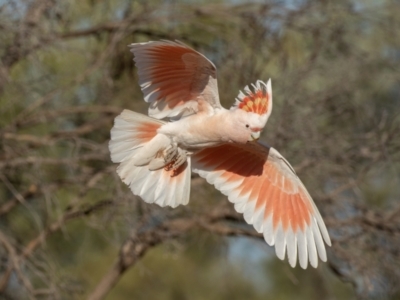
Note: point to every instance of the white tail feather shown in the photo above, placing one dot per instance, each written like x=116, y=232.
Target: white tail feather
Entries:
x=134, y=143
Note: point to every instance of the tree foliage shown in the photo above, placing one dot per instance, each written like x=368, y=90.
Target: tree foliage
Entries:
x=69, y=228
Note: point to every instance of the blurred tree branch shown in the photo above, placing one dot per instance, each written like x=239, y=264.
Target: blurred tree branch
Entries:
x=142, y=240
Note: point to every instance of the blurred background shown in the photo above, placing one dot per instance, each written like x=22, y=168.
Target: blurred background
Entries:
x=70, y=229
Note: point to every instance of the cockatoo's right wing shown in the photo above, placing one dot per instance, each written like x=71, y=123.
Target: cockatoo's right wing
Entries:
x=265, y=188
x=174, y=77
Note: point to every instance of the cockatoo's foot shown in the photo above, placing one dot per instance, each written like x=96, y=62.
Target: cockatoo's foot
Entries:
x=171, y=158
x=164, y=157
x=170, y=152
x=176, y=162
x=179, y=159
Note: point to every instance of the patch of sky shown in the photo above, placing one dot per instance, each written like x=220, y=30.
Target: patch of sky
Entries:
x=363, y=5
x=250, y=255
x=13, y=9
x=85, y=94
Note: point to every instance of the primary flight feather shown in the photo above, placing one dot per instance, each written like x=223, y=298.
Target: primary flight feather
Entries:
x=156, y=157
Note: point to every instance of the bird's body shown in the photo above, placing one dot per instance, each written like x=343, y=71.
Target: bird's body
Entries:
x=157, y=157
x=191, y=134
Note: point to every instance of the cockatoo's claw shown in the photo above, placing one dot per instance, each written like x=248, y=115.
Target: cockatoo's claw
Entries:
x=179, y=159
x=170, y=152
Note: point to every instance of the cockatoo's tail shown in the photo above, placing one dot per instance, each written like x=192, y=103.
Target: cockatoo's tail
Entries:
x=136, y=146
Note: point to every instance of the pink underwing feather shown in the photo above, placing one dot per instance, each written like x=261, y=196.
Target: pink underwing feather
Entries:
x=270, y=195
x=173, y=77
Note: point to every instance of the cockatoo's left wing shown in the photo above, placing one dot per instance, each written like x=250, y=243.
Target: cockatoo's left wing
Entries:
x=265, y=188
x=173, y=77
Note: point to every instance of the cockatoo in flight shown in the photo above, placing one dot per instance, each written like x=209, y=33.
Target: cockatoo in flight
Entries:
x=156, y=157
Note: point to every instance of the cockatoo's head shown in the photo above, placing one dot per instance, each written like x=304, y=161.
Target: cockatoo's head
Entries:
x=251, y=111
x=247, y=126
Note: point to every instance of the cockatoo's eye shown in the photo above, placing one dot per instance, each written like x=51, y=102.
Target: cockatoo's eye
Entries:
x=247, y=125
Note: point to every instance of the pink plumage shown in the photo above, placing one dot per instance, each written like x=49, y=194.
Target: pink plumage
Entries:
x=156, y=157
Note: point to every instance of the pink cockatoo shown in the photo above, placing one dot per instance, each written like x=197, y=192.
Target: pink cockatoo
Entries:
x=156, y=157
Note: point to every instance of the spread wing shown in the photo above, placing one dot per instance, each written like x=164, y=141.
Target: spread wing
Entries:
x=265, y=188
x=173, y=77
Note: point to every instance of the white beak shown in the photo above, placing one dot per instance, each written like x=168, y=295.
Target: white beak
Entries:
x=254, y=136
